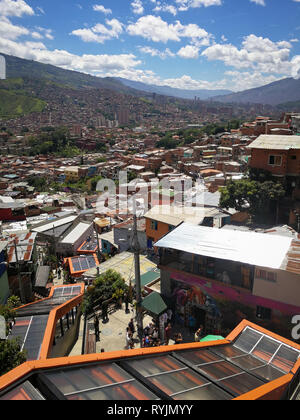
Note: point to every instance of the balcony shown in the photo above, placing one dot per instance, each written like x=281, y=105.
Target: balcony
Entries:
x=230, y=273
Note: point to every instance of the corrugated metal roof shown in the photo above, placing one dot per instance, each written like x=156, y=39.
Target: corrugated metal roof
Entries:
x=276, y=142
x=24, y=243
x=76, y=233
x=54, y=223
x=253, y=248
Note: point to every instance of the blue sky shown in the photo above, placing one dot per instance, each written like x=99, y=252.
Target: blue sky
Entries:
x=189, y=44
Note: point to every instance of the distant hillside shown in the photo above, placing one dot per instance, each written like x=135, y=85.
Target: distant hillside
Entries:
x=285, y=90
x=202, y=94
x=293, y=106
x=14, y=104
x=19, y=67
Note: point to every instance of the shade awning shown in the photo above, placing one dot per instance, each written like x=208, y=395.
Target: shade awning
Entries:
x=150, y=276
x=154, y=304
x=42, y=276
x=212, y=338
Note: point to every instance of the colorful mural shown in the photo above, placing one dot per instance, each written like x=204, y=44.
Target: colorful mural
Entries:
x=231, y=304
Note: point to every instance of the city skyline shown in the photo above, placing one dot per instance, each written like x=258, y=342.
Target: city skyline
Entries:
x=187, y=44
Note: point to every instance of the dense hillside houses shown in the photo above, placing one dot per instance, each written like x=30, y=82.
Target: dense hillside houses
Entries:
x=79, y=200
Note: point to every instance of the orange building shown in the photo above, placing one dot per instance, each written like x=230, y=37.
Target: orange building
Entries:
x=161, y=219
x=279, y=155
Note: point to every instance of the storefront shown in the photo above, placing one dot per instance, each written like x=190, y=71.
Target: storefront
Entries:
x=193, y=307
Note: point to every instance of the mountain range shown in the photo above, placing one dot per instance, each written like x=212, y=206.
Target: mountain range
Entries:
x=276, y=93
x=202, y=94
x=279, y=92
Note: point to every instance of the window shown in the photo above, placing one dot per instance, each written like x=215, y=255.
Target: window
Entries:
x=263, y=313
x=275, y=160
x=154, y=225
x=293, y=157
x=266, y=275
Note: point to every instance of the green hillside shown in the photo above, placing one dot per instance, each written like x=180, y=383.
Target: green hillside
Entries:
x=18, y=67
x=14, y=104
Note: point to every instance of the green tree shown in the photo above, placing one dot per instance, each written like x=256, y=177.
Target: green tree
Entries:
x=11, y=355
x=14, y=302
x=259, y=199
x=109, y=285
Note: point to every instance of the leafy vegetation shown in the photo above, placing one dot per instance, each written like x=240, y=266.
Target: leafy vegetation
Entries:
x=173, y=139
x=14, y=105
x=108, y=286
x=53, y=140
x=259, y=199
x=11, y=355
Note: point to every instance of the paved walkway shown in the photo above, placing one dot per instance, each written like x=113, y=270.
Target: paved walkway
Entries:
x=112, y=333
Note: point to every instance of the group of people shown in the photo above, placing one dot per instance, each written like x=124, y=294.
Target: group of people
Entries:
x=151, y=336
x=130, y=330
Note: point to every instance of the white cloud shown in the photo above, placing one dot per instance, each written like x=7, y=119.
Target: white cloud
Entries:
x=137, y=7
x=189, y=51
x=166, y=8
x=157, y=30
x=45, y=32
x=184, y=5
x=15, y=8
x=91, y=64
x=257, y=53
x=11, y=31
x=100, y=33
x=259, y=2
x=100, y=8
x=157, y=53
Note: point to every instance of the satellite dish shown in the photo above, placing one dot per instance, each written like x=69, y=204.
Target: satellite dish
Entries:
x=2, y=328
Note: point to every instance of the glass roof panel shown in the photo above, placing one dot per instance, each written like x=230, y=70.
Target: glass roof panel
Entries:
x=81, y=379
x=227, y=351
x=205, y=393
x=155, y=365
x=31, y=331
x=265, y=349
x=220, y=370
x=268, y=373
x=240, y=384
x=23, y=392
x=198, y=357
x=174, y=382
x=285, y=358
x=127, y=391
x=247, y=362
x=247, y=340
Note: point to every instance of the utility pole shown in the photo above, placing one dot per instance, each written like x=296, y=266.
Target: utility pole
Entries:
x=97, y=239
x=19, y=274
x=136, y=250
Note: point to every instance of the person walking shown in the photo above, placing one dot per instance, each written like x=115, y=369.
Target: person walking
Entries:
x=168, y=332
x=104, y=312
x=169, y=314
x=198, y=333
x=131, y=326
x=127, y=338
x=131, y=342
x=96, y=327
x=127, y=303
